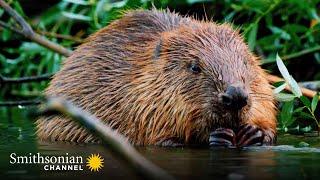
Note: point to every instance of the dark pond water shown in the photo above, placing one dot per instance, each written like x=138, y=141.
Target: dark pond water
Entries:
x=281, y=161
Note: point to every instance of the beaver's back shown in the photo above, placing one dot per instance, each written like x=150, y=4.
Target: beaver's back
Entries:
x=98, y=74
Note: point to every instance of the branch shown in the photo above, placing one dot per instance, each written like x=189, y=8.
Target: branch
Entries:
x=27, y=31
x=61, y=36
x=114, y=141
x=20, y=103
x=301, y=53
x=313, y=85
x=2, y=24
x=305, y=91
x=5, y=80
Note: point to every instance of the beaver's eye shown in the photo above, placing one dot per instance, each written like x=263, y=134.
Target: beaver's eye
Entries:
x=195, y=68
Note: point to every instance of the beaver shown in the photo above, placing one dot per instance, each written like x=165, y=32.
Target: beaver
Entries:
x=160, y=78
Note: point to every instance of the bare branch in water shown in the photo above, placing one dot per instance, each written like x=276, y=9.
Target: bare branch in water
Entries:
x=114, y=141
x=27, y=31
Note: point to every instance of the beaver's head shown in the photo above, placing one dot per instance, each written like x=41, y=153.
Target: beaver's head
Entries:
x=202, y=79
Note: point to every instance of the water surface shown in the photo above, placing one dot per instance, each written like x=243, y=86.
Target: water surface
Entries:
x=281, y=161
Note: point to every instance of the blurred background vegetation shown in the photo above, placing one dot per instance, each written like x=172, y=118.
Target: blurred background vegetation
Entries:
x=290, y=28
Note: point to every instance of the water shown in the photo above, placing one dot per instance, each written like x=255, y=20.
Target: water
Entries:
x=281, y=161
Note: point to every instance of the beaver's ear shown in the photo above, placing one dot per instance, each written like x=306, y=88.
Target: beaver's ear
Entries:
x=157, y=49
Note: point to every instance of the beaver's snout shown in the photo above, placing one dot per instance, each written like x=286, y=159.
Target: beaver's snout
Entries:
x=235, y=97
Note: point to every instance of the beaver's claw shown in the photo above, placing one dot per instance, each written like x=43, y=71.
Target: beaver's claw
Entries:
x=222, y=137
x=249, y=135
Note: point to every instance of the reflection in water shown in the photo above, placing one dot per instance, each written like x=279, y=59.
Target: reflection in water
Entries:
x=186, y=163
x=183, y=163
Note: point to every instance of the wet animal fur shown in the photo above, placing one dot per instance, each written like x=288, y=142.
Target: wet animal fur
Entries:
x=135, y=76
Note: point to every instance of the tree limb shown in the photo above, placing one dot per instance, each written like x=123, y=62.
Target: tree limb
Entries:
x=27, y=31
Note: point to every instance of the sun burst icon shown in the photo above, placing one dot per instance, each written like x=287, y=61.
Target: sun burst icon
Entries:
x=95, y=162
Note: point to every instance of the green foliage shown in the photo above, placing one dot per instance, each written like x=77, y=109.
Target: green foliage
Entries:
x=290, y=113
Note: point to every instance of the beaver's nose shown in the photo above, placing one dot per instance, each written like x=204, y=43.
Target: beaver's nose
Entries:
x=235, y=97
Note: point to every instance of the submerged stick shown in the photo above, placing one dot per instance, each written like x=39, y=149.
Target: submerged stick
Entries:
x=114, y=141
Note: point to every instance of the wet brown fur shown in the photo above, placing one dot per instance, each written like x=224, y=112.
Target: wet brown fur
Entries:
x=134, y=76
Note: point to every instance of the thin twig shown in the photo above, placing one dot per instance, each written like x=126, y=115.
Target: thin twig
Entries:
x=114, y=141
x=27, y=31
x=20, y=103
x=294, y=55
x=301, y=53
x=5, y=25
x=5, y=80
x=61, y=36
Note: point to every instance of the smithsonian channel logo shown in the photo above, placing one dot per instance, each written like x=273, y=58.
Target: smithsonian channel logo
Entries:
x=93, y=162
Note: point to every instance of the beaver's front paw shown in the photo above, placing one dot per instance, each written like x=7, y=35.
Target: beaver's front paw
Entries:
x=249, y=135
x=222, y=137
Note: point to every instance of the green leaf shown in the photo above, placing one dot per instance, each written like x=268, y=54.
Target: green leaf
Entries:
x=252, y=37
x=295, y=87
x=6, y=34
x=119, y=4
x=197, y=1
x=258, y=6
x=280, y=88
x=108, y=6
x=286, y=117
x=16, y=5
x=284, y=97
x=306, y=115
x=283, y=34
x=1, y=12
x=282, y=68
x=79, y=2
x=297, y=28
x=303, y=144
x=300, y=109
x=305, y=101
x=306, y=129
x=288, y=78
x=79, y=17
x=31, y=47
x=314, y=102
